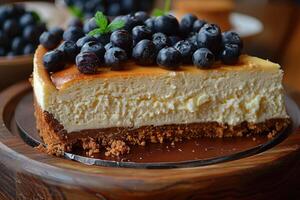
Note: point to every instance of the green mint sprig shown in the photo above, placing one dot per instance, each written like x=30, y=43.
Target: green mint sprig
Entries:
x=36, y=16
x=160, y=12
x=76, y=12
x=103, y=26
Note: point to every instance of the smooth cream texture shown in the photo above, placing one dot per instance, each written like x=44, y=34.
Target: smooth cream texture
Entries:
x=228, y=95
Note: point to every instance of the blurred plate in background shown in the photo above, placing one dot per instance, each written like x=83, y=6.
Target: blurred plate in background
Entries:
x=49, y=12
x=14, y=69
x=245, y=25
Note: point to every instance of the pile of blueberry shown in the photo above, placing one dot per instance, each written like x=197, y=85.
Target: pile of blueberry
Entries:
x=146, y=40
x=110, y=7
x=19, y=30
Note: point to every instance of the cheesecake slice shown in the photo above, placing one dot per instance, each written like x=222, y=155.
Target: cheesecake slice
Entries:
x=112, y=110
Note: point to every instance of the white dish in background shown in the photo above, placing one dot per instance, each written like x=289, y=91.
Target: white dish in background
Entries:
x=49, y=12
x=245, y=25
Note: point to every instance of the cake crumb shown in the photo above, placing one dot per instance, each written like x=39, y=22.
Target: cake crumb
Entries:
x=271, y=135
x=143, y=143
x=117, y=148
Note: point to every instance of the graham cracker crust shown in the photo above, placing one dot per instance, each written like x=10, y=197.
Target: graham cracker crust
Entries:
x=116, y=141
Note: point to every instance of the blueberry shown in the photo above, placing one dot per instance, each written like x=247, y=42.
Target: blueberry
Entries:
x=17, y=10
x=114, y=9
x=120, y=17
x=150, y=24
x=54, y=60
x=75, y=22
x=166, y=24
x=140, y=33
x=141, y=16
x=231, y=37
x=108, y=46
x=193, y=38
x=14, y=11
x=79, y=4
x=4, y=40
x=198, y=24
x=100, y=7
x=31, y=34
x=122, y=39
x=11, y=54
x=3, y=13
x=230, y=54
x=17, y=45
x=186, y=50
x=94, y=47
x=57, y=31
x=89, y=25
x=84, y=40
x=9, y=11
x=103, y=38
x=186, y=24
x=87, y=62
x=174, y=39
x=26, y=20
x=2, y=51
x=11, y=28
x=114, y=58
x=144, y=52
x=210, y=37
x=169, y=58
x=70, y=50
x=128, y=5
x=130, y=22
x=90, y=5
x=89, y=15
x=160, y=40
x=49, y=41
x=28, y=49
x=73, y=34
x=203, y=58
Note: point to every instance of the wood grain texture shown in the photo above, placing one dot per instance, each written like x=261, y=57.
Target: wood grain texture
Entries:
x=14, y=70
x=29, y=174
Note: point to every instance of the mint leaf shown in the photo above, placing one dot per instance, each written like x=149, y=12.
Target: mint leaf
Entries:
x=158, y=12
x=115, y=25
x=95, y=32
x=75, y=11
x=35, y=16
x=103, y=27
x=101, y=21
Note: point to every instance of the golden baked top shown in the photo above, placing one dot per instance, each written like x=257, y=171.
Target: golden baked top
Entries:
x=71, y=74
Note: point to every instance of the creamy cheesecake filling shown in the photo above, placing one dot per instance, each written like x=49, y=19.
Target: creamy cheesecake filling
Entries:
x=252, y=92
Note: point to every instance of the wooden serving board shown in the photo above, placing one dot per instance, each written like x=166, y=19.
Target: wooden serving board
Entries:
x=26, y=173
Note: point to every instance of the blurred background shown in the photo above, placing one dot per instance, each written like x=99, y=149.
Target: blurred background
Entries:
x=270, y=28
